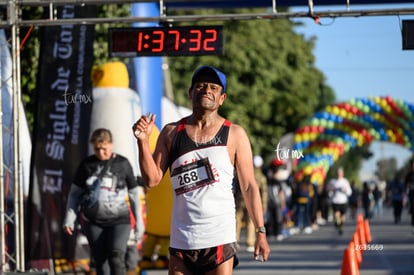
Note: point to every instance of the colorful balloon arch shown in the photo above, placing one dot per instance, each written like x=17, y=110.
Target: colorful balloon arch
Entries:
x=342, y=126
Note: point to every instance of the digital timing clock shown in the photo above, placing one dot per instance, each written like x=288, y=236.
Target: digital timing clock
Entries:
x=165, y=41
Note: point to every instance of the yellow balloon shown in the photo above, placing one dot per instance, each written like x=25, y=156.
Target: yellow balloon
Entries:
x=313, y=136
x=354, y=134
x=328, y=109
x=307, y=170
x=314, y=178
x=335, y=155
x=298, y=137
x=382, y=102
x=335, y=110
x=391, y=135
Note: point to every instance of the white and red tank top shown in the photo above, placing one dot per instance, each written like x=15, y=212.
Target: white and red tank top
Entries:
x=202, y=182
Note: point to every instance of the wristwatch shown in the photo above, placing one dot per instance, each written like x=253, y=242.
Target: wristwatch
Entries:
x=261, y=229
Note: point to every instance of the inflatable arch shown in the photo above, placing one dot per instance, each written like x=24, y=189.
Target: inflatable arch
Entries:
x=334, y=131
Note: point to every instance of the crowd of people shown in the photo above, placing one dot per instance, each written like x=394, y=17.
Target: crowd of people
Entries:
x=301, y=207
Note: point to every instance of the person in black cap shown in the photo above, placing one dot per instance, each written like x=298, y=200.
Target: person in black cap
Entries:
x=203, y=152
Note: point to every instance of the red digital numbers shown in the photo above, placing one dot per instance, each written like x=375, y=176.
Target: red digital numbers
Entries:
x=195, y=40
x=211, y=37
x=158, y=41
x=139, y=43
x=176, y=38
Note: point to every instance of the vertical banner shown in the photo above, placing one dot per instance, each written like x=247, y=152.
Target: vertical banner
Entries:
x=60, y=138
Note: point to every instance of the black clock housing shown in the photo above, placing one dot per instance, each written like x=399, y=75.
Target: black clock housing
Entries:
x=165, y=41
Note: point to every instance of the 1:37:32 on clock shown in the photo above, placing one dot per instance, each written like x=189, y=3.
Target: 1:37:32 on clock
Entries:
x=166, y=41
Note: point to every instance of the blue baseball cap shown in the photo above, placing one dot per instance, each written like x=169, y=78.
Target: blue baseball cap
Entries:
x=210, y=74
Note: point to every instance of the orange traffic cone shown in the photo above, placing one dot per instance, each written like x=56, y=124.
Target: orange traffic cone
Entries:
x=356, y=247
x=349, y=264
x=361, y=232
x=360, y=218
x=367, y=232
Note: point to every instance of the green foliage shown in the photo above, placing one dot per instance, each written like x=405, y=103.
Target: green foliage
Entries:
x=273, y=83
x=29, y=56
x=100, y=46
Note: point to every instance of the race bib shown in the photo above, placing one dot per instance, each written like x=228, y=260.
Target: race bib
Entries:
x=107, y=183
x=192, y=176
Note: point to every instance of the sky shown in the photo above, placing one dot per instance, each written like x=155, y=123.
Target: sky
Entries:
x=362, y=57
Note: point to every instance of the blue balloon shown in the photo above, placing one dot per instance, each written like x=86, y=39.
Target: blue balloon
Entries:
x=383, y=135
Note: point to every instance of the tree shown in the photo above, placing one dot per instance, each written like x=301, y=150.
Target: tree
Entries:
x=273, y=83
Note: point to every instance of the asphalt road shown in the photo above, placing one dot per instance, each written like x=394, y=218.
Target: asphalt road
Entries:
x=321, y=253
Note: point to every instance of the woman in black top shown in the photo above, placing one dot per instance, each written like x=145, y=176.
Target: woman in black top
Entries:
x=106, y=221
